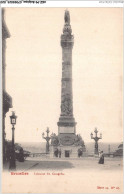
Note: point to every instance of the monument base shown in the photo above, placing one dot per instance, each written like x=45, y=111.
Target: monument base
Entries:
x=66, y=151
x=67, y=146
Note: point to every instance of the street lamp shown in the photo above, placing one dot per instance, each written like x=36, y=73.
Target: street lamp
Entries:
x=47, y=138
x=96, y=139
x=13, y=118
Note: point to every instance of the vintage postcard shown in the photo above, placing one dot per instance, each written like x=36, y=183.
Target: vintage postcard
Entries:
x=62, y=127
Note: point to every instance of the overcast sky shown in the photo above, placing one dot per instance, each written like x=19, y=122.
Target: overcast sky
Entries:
x=34, y=67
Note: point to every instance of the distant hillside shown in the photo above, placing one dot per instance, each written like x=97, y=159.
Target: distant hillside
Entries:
x=40, y=147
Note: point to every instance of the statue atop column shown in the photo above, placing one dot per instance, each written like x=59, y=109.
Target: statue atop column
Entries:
x=67, y=17
x=67, y=27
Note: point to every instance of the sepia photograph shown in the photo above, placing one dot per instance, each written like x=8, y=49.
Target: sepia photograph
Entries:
x=62, y=79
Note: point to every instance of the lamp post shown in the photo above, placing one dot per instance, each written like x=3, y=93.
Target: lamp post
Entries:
x=96, y=139
x=47, y=138
x=12, y=154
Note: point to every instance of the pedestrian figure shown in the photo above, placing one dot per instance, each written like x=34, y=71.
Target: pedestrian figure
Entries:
x=56, y=153
x=101, y=160
x=80, y=153
x=60, y=153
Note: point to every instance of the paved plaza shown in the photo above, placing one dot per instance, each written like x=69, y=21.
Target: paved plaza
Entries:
x=84, y=163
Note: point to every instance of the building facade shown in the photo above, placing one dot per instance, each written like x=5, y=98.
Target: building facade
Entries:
x=7, y=99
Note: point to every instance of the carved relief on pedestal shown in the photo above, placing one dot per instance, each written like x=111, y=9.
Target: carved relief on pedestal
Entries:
x=67, y=140
x=79, y=141
x=66, y=105
x=54, y=140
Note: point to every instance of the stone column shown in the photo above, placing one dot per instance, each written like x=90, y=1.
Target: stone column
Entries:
x=66, y=121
